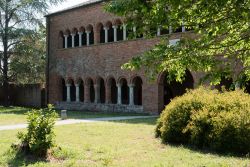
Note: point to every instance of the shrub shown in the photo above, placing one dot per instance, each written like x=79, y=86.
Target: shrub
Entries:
x=207, y=118
x=40, y=136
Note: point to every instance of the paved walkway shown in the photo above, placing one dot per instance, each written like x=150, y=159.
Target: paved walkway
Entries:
x=76, y=121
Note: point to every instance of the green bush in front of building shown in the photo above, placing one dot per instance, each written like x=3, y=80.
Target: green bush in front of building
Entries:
x=205, y=118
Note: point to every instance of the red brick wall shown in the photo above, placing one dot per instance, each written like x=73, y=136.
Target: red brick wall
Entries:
x=102, y=60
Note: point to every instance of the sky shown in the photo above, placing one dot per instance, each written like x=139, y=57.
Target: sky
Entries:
x=66, y=4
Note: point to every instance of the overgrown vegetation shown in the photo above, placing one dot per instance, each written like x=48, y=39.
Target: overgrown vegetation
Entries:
x=40, y=136
x=208, y=119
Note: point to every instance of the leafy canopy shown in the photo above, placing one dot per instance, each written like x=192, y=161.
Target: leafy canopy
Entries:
x=218, y=44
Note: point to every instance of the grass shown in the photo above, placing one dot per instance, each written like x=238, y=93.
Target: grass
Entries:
x=17, y=115
x=128, y=143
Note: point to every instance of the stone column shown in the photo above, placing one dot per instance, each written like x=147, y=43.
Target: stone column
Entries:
x=77, y=93
x=80, y=38
x=124, y=32
x=170, y=30
x=115, y=33
x=66, y=41
x=73, y=40
x=68, y=92
x=86, y=93
x=183, y=29
x=131, y=94
x=97, y=93
x=87, y=37
x=134, y=30
x=108, y=94
x=119, y=94
x=106, y=34
x=159, y=31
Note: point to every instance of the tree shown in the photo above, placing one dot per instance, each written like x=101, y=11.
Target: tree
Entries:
x=28, y=62
x=219, y=43
x=18, y=18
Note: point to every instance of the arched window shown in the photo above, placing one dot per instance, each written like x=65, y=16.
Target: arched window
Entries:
x=102, y=91
x=124, y=91
x=64, y=90
x=113, y=88
x=137, y=82
x=91, y=91
x=169, y=90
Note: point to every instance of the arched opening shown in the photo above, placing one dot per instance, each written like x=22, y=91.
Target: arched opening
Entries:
x=102, y=91
x=100, y=29
x=64, y=90
x=76, y=37
x=83, y=35
x=124, y=91
x=61, y=40
x=113, y=89
x=91, y=91
x=81, y=90
x=72, y=90
x=137, y=81
x=119, y=25
x=225, y=84
x=110, y=31
x=69, y=39
x=169, y=90
x=91, y=35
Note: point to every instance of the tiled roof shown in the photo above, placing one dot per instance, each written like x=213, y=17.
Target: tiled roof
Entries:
x=89, y=2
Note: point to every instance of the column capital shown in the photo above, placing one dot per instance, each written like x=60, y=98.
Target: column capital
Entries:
x=65, y=35
x=106, y=28
x=73, y=34
x=77, y=85
x=80, y=33
x=124, y=25
x=115, y=26
x=68, y=85
x=119, y=85
x=87, y=32
x=131, y=85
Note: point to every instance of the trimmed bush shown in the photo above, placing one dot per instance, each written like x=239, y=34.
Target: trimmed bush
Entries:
x=40, y=136
x=206, y=118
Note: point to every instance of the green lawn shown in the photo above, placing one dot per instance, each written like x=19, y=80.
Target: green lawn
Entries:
x=122, y=144
x=17, y=115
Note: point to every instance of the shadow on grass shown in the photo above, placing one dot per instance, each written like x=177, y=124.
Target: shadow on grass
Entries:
x=145, y=121
x=207, y=151
x=88, y=114
x=20, y=159
x=14, y=110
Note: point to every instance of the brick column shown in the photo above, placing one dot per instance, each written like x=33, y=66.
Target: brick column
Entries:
x=68, y=92
x=108, y=94
x=96, y=36
x=86, y=93
x=119, y=94
x=131, y=94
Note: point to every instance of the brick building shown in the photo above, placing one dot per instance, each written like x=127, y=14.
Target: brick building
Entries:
x=86, y=47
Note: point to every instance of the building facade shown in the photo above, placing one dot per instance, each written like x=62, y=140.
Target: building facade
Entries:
x=86, y=48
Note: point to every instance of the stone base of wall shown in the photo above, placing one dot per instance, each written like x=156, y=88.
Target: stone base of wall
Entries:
x=79, y=106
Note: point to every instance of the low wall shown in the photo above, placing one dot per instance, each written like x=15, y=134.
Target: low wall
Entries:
x=28, y=95
x=78, y=106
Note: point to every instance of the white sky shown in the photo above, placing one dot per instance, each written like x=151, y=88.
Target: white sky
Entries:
x=66, y=4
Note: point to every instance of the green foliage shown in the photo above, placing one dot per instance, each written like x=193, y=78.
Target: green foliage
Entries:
x=208, y=119
x=40, y=136
x=27, y=66
x=218, y=43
